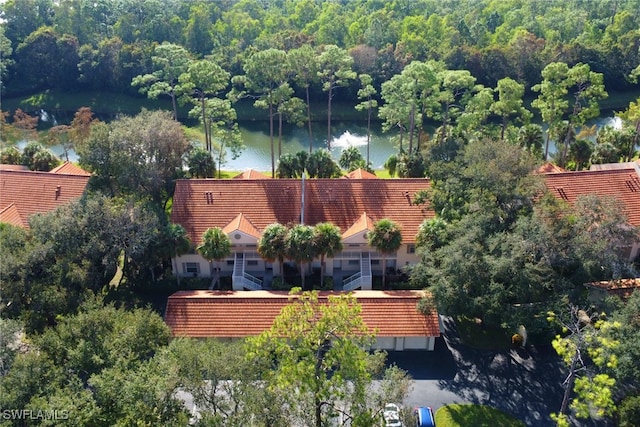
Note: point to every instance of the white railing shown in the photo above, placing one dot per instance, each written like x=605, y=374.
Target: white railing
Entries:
x=352, y=282
x=251, y=282
x=240, y=278
x=361, y=279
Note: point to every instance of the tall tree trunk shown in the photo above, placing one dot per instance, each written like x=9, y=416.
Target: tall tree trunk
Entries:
x=279, y=136
x=329, y=118
x=273, y=164
x=173, y=103
x=567, y=140
x=411, y=125
x=309, y=120
x=546, y=146
x=368, y=131
x=207, y=137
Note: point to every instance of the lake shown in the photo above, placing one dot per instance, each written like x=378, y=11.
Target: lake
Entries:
x=257, y=154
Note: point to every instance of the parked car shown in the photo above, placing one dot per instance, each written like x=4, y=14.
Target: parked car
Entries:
x=391, y=415
x=424, y=417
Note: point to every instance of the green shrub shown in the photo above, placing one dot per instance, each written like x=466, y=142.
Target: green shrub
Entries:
x=278, y=284
x=629, y=412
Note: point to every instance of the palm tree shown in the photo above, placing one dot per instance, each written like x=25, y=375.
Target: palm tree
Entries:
x=272, y=244
x=215, y=246
x=386, y=238
x=179, y=244
x=328, y=242
x=301, y=246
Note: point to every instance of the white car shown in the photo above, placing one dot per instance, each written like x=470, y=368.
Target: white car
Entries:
x=391, y=415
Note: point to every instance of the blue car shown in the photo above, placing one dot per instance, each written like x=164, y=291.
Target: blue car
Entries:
x=424, y=417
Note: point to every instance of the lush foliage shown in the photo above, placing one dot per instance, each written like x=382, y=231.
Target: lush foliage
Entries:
x=321, y=364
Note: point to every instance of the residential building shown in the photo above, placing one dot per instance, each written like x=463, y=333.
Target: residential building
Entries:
x=243, y=208
x=24, y=192
x=392, y=315
x=623, y=183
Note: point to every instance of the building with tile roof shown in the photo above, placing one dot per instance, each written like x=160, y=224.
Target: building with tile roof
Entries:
x=243, y=208
x=393, y=315
x=621, y=183
x=24, y=193
x=622, y=288
x=360, y=174
x=251, y=174
x=68, y=168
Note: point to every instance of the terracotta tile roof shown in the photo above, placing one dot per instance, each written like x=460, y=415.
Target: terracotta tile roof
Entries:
x=363, y=223
x=69, y=168
x=550, y=168
x=246, y=313
x=202, y=203
x=623, y=184
x=5, y=167
x=36, y=192
x=251, y=174
x=360, y=174
x=241, y=223
x=620, y=287
x=10, y=215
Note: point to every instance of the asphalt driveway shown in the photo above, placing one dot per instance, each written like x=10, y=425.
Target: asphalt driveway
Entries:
x=526, y=383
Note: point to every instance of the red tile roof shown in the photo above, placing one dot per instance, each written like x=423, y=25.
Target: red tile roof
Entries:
x=360, y=174
x=6, y=167
x=620, y=287
x=363, y=223
x=245, y=313
x=10, y=215
x=550, y=168
x=251, y=174
x=37, y=192
x=623, y=184
x=69, y=168
x=241, y=223
x=202, y=203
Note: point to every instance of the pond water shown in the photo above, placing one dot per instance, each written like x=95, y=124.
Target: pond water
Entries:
x=257, y=154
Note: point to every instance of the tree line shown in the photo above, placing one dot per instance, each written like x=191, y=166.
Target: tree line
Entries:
x=102, y=45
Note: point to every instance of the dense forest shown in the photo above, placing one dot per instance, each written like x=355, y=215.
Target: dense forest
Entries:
x=499, y=250
x=82, y=44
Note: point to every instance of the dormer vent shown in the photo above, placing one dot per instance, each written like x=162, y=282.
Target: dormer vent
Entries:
x=208, y=197
x=562, y=193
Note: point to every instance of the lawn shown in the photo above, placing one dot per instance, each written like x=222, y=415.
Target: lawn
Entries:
x=465, y=415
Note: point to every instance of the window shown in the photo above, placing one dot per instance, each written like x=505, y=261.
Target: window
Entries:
x=191, y=268
x=411, y=249
x=375, y=262
x=354, y=262
x=230, y=262
x=252, y=262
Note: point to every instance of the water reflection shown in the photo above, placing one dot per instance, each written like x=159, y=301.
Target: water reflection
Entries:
x=257, y=154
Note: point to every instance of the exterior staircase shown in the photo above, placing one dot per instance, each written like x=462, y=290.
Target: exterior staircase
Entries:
x=242, y=280
x=362, y=279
